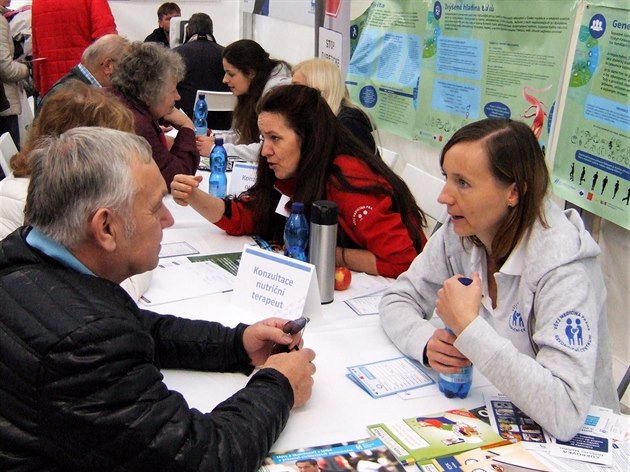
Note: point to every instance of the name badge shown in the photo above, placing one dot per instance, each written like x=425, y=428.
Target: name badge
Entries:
x=282, y=204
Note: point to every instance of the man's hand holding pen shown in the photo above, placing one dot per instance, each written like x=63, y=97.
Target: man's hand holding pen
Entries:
x=296, y=364
x=292, y=327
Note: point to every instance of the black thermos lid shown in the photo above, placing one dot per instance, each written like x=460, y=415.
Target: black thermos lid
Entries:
x=324, y=212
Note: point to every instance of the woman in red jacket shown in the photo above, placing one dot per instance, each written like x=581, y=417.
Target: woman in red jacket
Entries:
x=307, y=156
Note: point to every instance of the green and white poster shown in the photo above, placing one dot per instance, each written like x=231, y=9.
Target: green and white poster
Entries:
x=592, y=158
x=426, y=68
x=386, y=45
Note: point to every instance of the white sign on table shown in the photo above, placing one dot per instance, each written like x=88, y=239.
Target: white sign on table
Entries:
x=275, y=285
x=243, y=177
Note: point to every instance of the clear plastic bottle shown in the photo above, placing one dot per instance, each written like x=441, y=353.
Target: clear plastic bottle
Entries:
x=201, y=116
x=296, y=233
x=218, y=164
x=458, y=384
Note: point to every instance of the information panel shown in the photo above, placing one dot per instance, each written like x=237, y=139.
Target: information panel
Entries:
x=592, y=156
x=425, y=69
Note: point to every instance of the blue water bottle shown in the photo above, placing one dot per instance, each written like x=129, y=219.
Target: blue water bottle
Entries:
x=296, y=233
x=218, y=164
x=458, y=384
x=201, y=116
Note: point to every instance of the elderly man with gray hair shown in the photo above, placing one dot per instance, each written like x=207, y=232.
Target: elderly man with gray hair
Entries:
x=80, y=374
x=97, y=64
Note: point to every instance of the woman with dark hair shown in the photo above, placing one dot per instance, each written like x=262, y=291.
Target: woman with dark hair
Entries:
x=306, y=156
x=533, y=320
x=249, y=73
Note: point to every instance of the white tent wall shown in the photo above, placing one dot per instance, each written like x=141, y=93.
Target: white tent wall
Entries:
x=294, y=42
x=136, y=19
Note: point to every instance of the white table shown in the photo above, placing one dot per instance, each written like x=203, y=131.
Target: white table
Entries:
x=338, y=410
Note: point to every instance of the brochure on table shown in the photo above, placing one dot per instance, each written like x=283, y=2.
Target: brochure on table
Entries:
x=368, y=454
x=592, y=443
x=513, y=424
x=423, y=438
x=275, y=285
x=511, y=457
x=387, y=377
x=180, y=276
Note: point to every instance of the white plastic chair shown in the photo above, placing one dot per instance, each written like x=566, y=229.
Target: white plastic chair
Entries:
x=389, y=157
x=623, y=384
x=218, y=101
x=7, y=151
x=425, y=188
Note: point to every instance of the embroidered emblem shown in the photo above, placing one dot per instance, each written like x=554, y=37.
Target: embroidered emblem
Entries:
x=516, y=320
x=360, y=213
x=572, y=330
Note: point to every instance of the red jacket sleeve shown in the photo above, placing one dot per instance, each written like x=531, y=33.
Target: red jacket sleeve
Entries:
x=370, y=221
x=240, y=222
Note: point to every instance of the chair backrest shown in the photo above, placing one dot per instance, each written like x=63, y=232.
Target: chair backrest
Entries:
x=7, y=150
x=218, y=101
x=623, y=384
x=389, y=157
x=425, y=188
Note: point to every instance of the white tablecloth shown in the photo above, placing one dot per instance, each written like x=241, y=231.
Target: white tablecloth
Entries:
x=338, y=410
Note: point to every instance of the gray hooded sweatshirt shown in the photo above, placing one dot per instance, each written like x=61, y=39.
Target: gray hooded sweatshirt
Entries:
x=553, y=275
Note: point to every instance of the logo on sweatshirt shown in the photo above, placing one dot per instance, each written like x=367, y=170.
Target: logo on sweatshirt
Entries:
x=516, y=320
x=573, y=331
x=360, y=213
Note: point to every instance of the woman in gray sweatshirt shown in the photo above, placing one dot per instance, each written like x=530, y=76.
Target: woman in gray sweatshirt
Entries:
x=533, y=320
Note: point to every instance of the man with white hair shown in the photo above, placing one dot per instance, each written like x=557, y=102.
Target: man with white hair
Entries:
x=97, y=63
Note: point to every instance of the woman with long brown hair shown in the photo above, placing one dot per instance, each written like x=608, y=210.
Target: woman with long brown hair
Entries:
x=307, y=155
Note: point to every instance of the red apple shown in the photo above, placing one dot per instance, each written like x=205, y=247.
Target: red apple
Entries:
x=343, y=277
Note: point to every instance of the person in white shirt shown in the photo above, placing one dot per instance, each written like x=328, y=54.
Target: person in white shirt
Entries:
x=249, y=73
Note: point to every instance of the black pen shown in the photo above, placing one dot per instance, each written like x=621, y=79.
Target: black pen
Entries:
x=295, y=326
x=291, y=327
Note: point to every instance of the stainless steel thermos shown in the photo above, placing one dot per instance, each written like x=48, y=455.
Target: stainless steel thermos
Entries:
x=322, y=245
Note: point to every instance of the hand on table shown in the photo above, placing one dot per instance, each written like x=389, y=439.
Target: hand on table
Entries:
x=296, y=366
x=260, y=338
